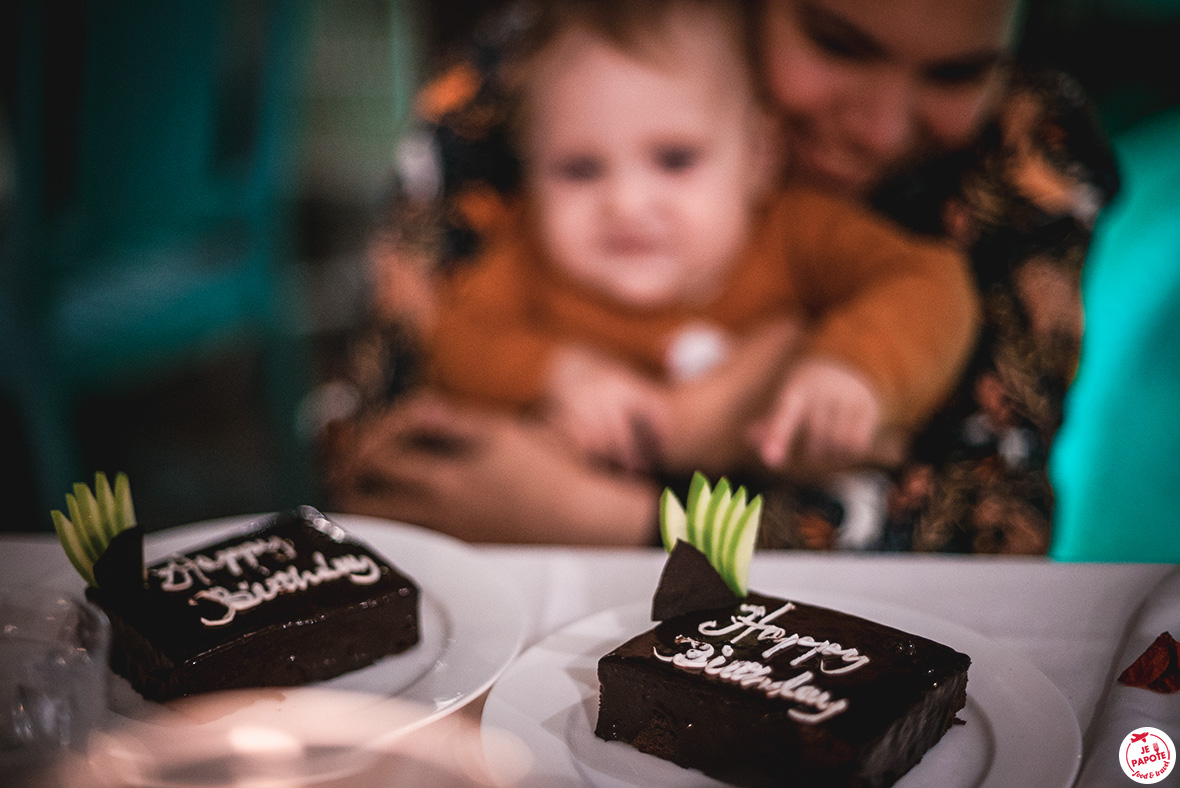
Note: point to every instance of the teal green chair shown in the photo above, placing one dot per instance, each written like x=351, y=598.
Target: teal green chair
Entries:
x=153, y=154
x=1116, y=463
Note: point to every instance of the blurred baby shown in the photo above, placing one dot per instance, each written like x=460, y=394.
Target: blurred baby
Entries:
x=653, y=233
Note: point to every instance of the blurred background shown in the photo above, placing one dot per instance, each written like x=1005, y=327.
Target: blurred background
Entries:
x=186, y=190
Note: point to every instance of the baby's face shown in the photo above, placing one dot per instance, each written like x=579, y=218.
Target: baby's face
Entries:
x=644, y=170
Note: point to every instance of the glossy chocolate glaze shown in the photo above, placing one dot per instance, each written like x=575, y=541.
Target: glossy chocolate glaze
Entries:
x=280, y=638
x=899, y=702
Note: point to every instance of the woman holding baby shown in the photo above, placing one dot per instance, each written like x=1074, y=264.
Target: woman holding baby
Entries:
x=911, y=109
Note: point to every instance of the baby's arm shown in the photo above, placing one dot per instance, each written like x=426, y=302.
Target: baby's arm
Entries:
x=900, y=309
x=711, y=413
x=826, y=415
x=606, y=410
x=485, y=349
x=895, y=318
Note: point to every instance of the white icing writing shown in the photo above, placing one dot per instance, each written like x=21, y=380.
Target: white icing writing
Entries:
x=180, y=571
x=755, y=675
x=360, y=570
x=755, y=619
x=821, y=649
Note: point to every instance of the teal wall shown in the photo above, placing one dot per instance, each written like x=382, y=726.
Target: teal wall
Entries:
x=1116, y=466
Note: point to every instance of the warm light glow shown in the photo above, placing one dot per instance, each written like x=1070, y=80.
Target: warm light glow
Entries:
x=253, y=740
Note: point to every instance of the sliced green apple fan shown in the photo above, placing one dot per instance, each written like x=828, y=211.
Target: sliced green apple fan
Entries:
x=95, y=518
x=717, y=521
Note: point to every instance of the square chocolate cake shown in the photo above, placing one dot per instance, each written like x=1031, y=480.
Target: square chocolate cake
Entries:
x=295, y=600
x=766, y=691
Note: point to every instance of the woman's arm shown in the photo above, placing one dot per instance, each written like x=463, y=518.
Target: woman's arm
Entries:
x=486, y=477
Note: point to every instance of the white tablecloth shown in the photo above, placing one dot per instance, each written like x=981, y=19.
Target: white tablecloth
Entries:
x=1071, y=621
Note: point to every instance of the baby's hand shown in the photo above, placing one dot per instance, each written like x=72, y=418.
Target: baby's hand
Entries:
x=826, y=416
x=606, y=410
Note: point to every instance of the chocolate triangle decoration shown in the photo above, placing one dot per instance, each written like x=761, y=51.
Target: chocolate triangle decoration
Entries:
x=688, y=584
x=120, y=568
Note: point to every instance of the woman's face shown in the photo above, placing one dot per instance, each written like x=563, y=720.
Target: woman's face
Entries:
x=868, y=87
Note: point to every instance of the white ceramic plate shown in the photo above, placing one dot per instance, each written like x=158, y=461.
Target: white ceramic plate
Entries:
x=471, y=622
x=1020, y=731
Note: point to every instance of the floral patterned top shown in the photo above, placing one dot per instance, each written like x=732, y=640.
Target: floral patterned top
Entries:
x=1022, y=202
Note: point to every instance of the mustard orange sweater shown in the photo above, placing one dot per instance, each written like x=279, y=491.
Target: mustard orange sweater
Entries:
x=901, y=310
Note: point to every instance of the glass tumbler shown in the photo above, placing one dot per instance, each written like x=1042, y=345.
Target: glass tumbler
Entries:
x=53, y=671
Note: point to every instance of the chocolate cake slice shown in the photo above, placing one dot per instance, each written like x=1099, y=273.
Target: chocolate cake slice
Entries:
x=295, y=600
x=767, y=691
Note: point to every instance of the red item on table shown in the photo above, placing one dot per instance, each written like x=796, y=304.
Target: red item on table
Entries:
x=1158, y=668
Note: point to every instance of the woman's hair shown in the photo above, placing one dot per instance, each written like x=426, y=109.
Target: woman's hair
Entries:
x=631, y=25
